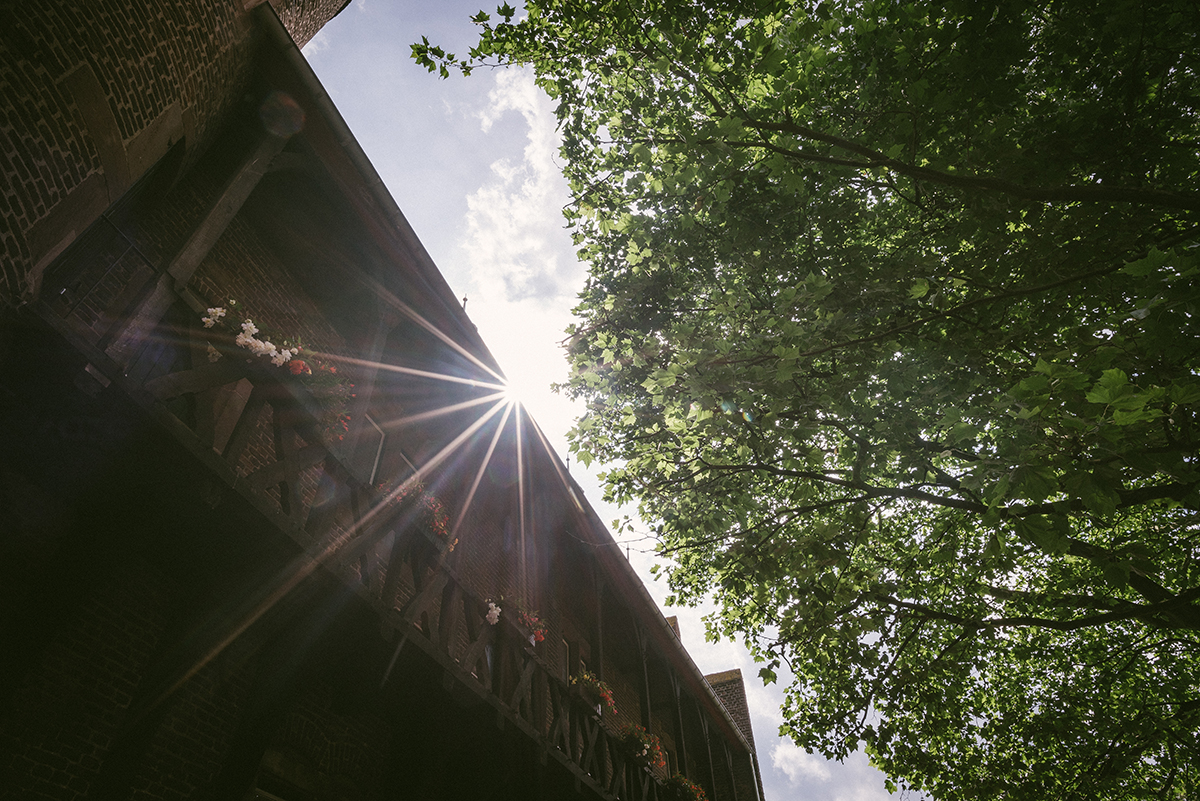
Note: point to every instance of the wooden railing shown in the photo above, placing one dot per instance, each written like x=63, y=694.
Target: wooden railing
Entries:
x=442, y=614
x=261, y=430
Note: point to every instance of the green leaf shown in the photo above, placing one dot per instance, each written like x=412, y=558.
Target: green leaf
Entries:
x=1047, y=532
x=1113, y=385
x=912, y=361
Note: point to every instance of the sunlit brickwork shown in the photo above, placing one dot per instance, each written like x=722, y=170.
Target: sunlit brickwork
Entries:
x=169, y=71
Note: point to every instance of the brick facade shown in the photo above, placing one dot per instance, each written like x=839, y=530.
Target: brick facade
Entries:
x=65, y=719
x=731, y=690
x=183, y=619
x=305, y=18
x=92, y=95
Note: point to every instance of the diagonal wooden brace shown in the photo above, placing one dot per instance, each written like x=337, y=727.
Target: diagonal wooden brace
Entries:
x=137, y=330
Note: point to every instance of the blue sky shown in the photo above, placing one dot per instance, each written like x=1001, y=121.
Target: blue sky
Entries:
x=473, y=164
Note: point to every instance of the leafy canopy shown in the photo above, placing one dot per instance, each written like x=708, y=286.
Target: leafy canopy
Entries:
x=891, y=334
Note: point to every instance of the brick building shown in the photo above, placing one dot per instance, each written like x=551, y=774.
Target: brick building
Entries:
x=222, y=577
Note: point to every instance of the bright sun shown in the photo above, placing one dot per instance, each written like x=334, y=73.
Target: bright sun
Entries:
x=513, y=392
x=526, y=385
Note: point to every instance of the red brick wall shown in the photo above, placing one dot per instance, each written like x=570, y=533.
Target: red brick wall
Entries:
x=731, y=691
x=92, y=94
x=343, y=751
x=241, y=267
x=625, y=693
x=66, y=717
x=488, y=556
x=146, y=75
x=304, y=18
x=194, y=737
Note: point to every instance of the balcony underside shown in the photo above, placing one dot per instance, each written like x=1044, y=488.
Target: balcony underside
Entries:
x=463, y=706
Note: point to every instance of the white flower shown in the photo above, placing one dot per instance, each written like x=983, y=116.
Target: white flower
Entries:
x=249, y=328
x=281, y=358
x=208, y=322
x=243, y=340
x=493, y=615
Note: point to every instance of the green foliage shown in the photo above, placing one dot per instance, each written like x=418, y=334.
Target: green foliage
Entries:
x=891, y=333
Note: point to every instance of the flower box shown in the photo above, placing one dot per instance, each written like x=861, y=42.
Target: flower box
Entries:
x=595, y=693
x=532, y=626
x=642, y=747
x=681, y=788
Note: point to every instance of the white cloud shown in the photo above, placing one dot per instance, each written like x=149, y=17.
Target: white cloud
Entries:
x=797, y=764
x=520, y=267
x=822, y=780
x=317, y=44
x=513, y=217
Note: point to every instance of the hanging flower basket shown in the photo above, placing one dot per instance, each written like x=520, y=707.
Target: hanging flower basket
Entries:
x=593, y=691
x=245, y=340
x=429, y=510
x=681, y=788
x=534, y=626
x=642, y=747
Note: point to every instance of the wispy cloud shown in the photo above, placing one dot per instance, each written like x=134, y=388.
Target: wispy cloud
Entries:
x=509, y=216
x=317, y=44
x=797, y=764
x=854, y=779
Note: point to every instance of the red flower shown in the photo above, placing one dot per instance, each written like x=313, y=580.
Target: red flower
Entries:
x=299, y=366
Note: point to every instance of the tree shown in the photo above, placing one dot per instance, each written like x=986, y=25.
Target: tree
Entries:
x=891, y=333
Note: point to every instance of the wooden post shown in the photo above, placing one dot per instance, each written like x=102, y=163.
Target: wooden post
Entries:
x=644, y=656
x=599, y=659
x=680, y=738
x=712, y=773
x=729, y=767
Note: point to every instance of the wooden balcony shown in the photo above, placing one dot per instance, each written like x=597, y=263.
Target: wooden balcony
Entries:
x=229, y=412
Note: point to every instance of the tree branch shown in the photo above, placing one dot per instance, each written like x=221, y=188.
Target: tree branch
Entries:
x=1045, y=194
x=1144, y=613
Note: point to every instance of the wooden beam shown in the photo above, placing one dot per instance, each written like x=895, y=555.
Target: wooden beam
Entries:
x=644, y=655
x=137, y=330
x=245, y=427
x=729, y=767
x=680, y=738
x=291, y=461
x=712, y=773
x=206, y=376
